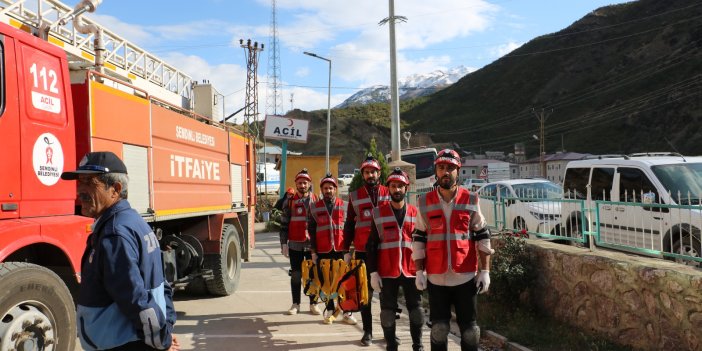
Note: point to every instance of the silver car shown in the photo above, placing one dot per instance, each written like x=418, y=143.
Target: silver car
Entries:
x=529, y=204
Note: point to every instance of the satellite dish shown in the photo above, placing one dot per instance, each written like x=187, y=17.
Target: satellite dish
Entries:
x=407, y=136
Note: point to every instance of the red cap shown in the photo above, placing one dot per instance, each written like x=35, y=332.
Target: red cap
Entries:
x=398, y=175
x=328, y=179
x=370, y=162
x=448, y=156
x=304, y=175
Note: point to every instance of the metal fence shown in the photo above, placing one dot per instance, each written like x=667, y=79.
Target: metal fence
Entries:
x=657, y=230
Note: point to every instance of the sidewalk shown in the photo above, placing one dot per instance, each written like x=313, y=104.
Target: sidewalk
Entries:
x=254, y=317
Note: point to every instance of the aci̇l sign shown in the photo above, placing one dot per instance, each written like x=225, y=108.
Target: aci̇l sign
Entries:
x=278, y=127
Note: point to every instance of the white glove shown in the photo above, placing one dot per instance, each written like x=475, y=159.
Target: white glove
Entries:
x=314, y=258
x=376, y=282
x=485, y=246
x=421, y=280
x=284, y=250
x=347, y=258
x=482, y=281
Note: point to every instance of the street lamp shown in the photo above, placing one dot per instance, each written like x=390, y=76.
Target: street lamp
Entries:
x=328, y=103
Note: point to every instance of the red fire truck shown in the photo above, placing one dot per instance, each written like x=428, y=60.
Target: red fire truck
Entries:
x=191, y=177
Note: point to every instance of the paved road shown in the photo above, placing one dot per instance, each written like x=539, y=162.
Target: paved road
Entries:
x=253, y=318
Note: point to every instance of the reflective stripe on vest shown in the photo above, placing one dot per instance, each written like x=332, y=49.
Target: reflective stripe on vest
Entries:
x=330, y=228
x=297, y=229
x=448, y=242
x=395, y=249
x=363, y=207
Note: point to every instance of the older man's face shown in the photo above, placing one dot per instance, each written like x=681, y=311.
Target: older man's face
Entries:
x=95, y=197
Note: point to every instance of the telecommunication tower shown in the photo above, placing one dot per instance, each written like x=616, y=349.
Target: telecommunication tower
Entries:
x=274, y=96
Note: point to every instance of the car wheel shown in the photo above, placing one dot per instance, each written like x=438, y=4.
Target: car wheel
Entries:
x=688, y=245
x=520, y=224
x=574, y=230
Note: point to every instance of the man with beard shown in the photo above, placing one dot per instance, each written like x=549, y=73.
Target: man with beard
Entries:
x=294, y=238
x=362, y=201
x=450, y=243
x=326, y=228
x=389, y=259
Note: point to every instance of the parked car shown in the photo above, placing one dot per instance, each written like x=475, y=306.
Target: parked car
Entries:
x=621, y=188
x=530, y=204
x=473, y=184
x=345, y=179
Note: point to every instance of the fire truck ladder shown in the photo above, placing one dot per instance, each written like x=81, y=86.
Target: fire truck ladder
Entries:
x=122, y=59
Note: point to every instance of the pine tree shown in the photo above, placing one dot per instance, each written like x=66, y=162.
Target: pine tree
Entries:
x=357, y=181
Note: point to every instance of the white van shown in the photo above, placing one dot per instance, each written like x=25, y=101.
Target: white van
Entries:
x=627, y=184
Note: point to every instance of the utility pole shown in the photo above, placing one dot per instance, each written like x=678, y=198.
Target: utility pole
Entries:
x=394, y=94
x=542, y=116
x=251, y=51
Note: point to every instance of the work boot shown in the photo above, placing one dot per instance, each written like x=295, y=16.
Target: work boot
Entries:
x=367, y=339
x=294, y=309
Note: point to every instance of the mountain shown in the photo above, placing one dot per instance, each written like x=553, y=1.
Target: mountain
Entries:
x=624, y=78
x=409, y=87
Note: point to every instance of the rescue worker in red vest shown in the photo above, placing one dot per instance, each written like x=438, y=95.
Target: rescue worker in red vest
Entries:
x=294, y=238
x=451, y=249
x=389, y=261
x=362, y=201
x=326, y=228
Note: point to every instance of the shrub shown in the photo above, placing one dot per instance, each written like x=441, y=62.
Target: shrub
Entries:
x=512, y=271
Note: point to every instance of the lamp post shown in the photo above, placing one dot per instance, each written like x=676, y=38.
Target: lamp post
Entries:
x=328, y=103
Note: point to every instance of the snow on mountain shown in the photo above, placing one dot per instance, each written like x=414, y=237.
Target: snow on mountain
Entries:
x=409, y=87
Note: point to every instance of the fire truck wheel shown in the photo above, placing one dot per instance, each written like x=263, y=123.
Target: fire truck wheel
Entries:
x=36, y=309
x=226, y=266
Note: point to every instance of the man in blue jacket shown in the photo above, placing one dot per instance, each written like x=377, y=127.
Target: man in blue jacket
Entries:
x=124, y=302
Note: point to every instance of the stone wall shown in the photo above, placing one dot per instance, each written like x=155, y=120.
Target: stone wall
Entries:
x=646, y=303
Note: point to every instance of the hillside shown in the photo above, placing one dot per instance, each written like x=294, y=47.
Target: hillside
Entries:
x=351, y=130
x=622, y=79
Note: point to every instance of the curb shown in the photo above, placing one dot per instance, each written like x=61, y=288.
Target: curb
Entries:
x=503, y=342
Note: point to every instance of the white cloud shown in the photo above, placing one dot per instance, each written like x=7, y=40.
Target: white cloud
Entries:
x=505, y=49
x=302, y=72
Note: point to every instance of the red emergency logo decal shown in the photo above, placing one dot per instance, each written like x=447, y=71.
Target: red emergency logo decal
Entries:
x=47, y=159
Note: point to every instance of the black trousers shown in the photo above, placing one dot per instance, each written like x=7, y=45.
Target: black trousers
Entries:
x=464, y=299
x=296, y=258
x=366, y=315
x=391, y=287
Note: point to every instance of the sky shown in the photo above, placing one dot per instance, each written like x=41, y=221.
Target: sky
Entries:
x=201, y=38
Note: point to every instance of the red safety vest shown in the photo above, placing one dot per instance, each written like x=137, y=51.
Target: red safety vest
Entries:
x=449, y=240
x=395, y=249
x=297, y=229
x=330, y=228
x=363, y=206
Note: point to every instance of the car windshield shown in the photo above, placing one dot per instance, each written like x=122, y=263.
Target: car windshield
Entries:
x=538, y=190
x=683, y=181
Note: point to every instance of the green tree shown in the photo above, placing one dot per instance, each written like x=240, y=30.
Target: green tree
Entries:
x=384, y=171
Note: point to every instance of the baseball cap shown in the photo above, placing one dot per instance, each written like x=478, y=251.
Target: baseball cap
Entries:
x=97, y=163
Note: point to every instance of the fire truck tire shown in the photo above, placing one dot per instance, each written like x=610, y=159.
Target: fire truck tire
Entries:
x=226, y=266
x=36, y=309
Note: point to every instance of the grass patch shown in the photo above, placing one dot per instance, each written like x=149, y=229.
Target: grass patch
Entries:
x=537, y=332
